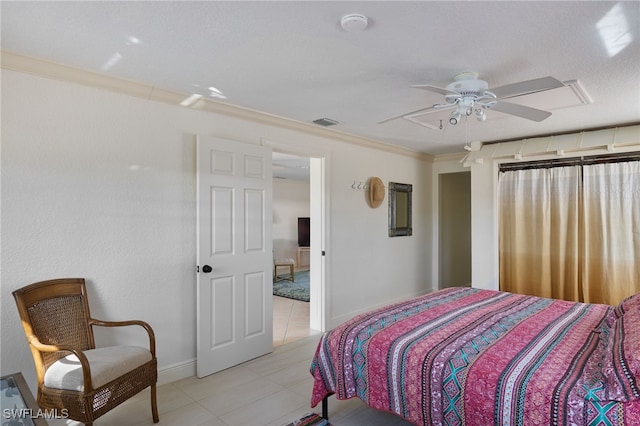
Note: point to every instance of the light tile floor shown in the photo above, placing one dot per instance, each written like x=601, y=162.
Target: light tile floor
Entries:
x=271, y=390
x=290, y=320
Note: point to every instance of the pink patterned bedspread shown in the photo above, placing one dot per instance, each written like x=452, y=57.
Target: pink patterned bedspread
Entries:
x=476, y=357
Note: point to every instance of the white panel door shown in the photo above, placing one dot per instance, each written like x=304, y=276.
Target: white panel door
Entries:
x=235, y=259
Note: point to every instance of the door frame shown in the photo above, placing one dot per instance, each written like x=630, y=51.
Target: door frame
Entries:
x=320, y=266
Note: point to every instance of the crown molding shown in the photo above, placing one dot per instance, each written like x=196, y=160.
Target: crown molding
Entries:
x=54, y=70
x=456, y=156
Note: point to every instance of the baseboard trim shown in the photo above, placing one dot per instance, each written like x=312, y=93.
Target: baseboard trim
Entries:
x=175, y=372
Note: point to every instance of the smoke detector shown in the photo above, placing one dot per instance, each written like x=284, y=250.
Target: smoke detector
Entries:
x=354, y=22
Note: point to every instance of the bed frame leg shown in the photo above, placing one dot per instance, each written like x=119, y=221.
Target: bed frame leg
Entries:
x=325, y=408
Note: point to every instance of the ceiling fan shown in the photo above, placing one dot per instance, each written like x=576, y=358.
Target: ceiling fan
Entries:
x=468, y=95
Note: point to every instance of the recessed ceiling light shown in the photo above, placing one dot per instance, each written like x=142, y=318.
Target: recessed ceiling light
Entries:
x=354, y=22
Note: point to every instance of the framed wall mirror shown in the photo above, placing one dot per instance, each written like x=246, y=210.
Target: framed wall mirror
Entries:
x=400, y=209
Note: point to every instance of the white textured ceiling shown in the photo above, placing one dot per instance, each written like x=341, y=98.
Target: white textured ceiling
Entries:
x=293, y=59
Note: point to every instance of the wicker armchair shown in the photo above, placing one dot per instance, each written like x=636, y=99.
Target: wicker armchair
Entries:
x=72, y=374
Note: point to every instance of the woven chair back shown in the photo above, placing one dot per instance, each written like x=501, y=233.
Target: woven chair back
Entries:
x=57, y=315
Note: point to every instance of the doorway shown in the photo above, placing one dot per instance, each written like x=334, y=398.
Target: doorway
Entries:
x=454, y=237
x=297, y=181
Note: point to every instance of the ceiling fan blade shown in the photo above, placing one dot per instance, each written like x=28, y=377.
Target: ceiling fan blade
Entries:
x=413, y=117
x=418, y=111
x=522, y=111
x=526, y=87
x=435, y=89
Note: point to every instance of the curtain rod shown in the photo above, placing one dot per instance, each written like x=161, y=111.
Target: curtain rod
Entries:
x=576, y=161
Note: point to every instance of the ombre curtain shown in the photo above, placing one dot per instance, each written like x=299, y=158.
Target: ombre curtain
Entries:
x=611, y=204
x=539, y=232
x=571, y=237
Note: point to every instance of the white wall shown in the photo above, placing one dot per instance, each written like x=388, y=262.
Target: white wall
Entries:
x=290, y=201
x=484, y=226
x=101, y=185
x=381, y=266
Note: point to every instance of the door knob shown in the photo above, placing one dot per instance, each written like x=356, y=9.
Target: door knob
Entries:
x=206, y=269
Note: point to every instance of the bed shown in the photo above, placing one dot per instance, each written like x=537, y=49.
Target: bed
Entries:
x=481, y=357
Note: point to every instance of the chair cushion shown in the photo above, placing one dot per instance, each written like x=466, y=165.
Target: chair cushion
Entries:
x=280, y=262
x=106, y=364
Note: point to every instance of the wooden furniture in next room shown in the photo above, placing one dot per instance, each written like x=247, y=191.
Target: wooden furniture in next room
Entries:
x=288, y=263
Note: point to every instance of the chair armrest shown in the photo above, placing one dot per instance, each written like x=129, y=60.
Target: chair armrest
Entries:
x=84, y=362
x=146, y=326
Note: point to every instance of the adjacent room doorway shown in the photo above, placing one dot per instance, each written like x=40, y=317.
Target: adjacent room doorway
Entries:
x=454, y=236
x=234, y=316
x=298, y=194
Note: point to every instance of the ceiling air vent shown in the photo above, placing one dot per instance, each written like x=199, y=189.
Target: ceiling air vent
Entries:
x=325, y=122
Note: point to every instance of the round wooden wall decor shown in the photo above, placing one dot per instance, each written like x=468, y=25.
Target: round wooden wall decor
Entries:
x=376, y=192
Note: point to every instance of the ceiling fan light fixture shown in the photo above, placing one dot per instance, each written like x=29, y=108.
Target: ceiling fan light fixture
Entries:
x=454, y=118
x=481, y=114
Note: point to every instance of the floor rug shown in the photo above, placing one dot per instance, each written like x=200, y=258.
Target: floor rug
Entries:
x=311, y=419
x=298, y=290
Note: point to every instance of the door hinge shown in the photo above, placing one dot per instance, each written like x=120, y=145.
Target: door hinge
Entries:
x=197, y=268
